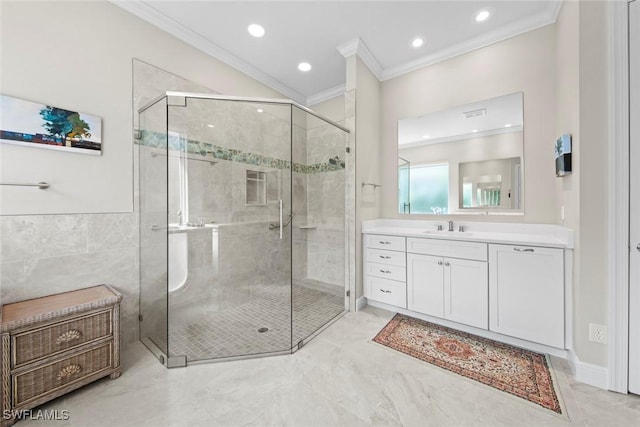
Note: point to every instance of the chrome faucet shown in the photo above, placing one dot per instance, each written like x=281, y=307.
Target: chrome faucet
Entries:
x=450, y=225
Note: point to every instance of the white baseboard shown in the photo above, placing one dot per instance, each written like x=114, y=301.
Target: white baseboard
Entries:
x=361, y=303
x=588, y=373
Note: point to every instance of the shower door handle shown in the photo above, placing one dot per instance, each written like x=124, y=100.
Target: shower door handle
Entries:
x=281, y=220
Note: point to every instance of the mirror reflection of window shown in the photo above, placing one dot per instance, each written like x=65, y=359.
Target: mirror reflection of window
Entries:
x=477, y=141
x=429, y=185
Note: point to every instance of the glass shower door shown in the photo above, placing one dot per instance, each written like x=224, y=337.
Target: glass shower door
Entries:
x=319, y=227
x=233, y=193
x=404, y=196
x=152, y=162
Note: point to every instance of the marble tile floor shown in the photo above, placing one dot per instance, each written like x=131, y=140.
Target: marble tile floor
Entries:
x=340, y=378
x=235, y=331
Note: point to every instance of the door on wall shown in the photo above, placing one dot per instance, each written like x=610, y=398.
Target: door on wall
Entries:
x=634, y=214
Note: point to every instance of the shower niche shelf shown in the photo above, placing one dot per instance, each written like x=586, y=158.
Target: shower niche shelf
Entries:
x=256, y=188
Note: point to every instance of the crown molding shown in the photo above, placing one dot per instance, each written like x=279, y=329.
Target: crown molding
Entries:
x=325, y=95
x=352, y=47
x=553, y=9
x=349, y=48
x=160, y=20
x=531, y=23
x=359, y=47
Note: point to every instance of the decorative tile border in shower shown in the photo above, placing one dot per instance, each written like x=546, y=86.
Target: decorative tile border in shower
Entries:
x=206, y=149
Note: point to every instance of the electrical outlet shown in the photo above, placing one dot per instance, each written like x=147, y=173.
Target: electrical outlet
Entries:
x=597, y=333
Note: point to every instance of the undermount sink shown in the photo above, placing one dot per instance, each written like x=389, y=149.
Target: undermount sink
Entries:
x=448, y=233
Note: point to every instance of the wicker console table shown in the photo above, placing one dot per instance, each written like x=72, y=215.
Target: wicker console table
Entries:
x=55, y=344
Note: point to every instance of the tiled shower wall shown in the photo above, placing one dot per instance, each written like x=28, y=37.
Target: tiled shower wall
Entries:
x=46, y=254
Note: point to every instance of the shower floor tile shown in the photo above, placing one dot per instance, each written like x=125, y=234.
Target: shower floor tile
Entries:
x=235, y=331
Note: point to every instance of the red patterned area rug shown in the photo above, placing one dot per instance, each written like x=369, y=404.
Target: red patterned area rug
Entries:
x=522, y=373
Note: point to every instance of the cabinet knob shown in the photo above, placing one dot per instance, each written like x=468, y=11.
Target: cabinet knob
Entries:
x=439, y=262
x=385, y=257
x=385, y=271
x=384, y=243
x=638, y=247
x=446, y=264
x=385, y=291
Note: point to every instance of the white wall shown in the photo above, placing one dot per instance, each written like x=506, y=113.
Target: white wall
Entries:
x=77, y=55
x=525, y=63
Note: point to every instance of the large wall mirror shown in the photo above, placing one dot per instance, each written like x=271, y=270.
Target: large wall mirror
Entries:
x=462, y=160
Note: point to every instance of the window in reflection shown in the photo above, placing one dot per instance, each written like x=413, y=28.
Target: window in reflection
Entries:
x=429, y=185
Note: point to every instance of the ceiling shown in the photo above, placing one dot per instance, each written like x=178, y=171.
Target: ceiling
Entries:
x=502, y=114
x=380, y=32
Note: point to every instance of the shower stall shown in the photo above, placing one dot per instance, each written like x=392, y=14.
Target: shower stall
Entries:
x=243, y=233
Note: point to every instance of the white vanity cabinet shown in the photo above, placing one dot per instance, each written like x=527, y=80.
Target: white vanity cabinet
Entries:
x=526, y=288
x=385, y=276
x=446, y=287
x=507, y=282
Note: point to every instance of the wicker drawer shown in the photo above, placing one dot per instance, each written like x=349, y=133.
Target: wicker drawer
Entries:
x=52, y=339
x=48, y=379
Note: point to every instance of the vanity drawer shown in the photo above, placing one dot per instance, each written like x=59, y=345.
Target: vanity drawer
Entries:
x=387, y=257
x=391, y=243
x=387, y=291
x=52, y=378
x=448, y=248
x=392, y=272
x=49, y=340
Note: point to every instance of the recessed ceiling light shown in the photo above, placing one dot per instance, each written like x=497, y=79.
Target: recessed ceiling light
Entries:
x=417, y=42
x=211, y=126
x=508, y=125
x=425, y=136
x=259, y=110
x=482, y=15
x=475, y=130
x=304, y=66
x=256, y=30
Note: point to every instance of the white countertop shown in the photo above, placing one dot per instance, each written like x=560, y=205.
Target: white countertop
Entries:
x=546, y=235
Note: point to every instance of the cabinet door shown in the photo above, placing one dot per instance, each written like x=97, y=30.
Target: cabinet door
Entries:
x=425, y=287
x=526, y=288
x=466, y=292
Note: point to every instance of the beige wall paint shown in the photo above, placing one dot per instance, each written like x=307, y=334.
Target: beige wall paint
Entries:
x=332, y=109
x=368, y=111
x=568, y=121
x=582, y=111
x=88, y=70
x=592, y=288
x=524, y=63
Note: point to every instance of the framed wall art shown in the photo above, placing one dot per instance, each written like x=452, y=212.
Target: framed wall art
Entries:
x=36, y=125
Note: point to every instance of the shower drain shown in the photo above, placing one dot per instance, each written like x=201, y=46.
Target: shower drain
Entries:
x=262, y=330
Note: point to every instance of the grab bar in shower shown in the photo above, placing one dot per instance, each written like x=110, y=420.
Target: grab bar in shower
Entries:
x=273, y=226
x=40, y=185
